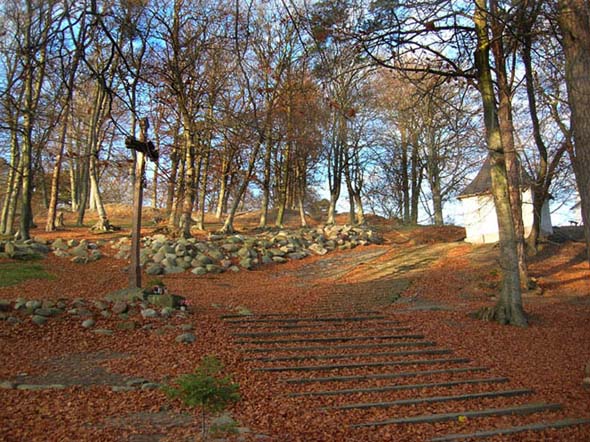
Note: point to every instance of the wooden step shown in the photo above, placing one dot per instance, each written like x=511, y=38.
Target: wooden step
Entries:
x=332, y=339
x=539, y=426
x=434, y=399
x=313, y=332
x=444, y=417
x=350, y=355
x=306, y=319
x=397, y=375
x=387, y=388
x=365, y=365
x=296, y=326
x=344, y=347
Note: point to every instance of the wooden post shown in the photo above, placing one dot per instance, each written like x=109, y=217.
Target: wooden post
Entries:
x=135, y=267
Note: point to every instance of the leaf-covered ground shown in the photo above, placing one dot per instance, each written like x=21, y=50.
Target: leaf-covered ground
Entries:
x=417, y=278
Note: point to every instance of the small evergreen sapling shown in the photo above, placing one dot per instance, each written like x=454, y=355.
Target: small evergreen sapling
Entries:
x=206, y=388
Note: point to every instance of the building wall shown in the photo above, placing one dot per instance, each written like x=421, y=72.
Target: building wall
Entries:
x=481, y=223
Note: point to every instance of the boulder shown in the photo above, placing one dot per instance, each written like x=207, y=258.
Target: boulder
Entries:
x=5, y=306
x=127, y=295
x=199, y=271
x=59, y=244
x=171, y=301
x=186, y=338
x=149, y=313
x=119, y=307
x=88, y=323
x=39, y=320
x=154, y=269
x=173, y=269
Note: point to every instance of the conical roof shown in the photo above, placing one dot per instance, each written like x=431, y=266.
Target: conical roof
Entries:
x=482, y=183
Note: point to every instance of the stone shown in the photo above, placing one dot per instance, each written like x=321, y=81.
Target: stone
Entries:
x=171, y=301
x=215, y=269
x=7, y=385
x=279, y=259
x=199, y=271
x=59, y=244
x=73, y=243
x=5, y=306
x=126, y=325
x=103, y=331
x=80, y=251
x=79, y=260
x=247, y=263
x=20, y=303
x=47, y=312
x=186, y=338
x=122, y=388
x=186, y=327
x=296, y=255
x=88, y=323
x=39, y=320
x=318, y=249
x=36, y=387
x=166, y=312
x=101, y=305
x=34, y=304
x=173, y=270
x=12, y=320
x=127, y=295
x=158, y=257
x=119, y=307
x=150, y=386
x=149, y=313
x=154, y=269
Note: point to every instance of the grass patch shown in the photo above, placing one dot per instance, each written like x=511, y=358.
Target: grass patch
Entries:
x=12, y=273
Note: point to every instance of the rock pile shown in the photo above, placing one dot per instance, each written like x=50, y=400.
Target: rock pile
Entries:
x=161, y=255
x=23, y=250
x=80, y=252
x=123, y=310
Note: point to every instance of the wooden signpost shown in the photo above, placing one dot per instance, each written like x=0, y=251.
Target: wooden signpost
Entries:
x=143, y=148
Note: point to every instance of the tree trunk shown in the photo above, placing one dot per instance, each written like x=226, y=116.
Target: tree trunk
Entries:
x=228, y=225
x=508, y=309
x=574, y=16
x=12, y=187
x=506, y=127
x=266, y=178
x=189, y=188
x=135, y=265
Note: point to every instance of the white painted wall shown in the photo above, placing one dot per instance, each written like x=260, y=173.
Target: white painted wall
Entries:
x=481, y=223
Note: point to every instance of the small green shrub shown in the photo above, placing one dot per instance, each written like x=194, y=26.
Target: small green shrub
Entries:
x=206, y=388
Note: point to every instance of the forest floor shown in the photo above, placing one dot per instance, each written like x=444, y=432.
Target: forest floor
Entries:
x=409, y=299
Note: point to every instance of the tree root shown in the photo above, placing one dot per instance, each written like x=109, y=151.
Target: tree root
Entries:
x=103, y=225
x=502, y=314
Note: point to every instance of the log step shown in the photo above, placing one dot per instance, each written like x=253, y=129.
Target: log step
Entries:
x=365, y=365
x=434, y=399
x=346, y=347
x=332, y=339
x=313, y=332
x=307, y=319
x=350, y=355
x=295, y=326
x=539, y=426
x=399, y=387
x=444, y=417
x=398, y=375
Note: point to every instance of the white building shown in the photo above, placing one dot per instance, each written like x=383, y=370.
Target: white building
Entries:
x=479, y=212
